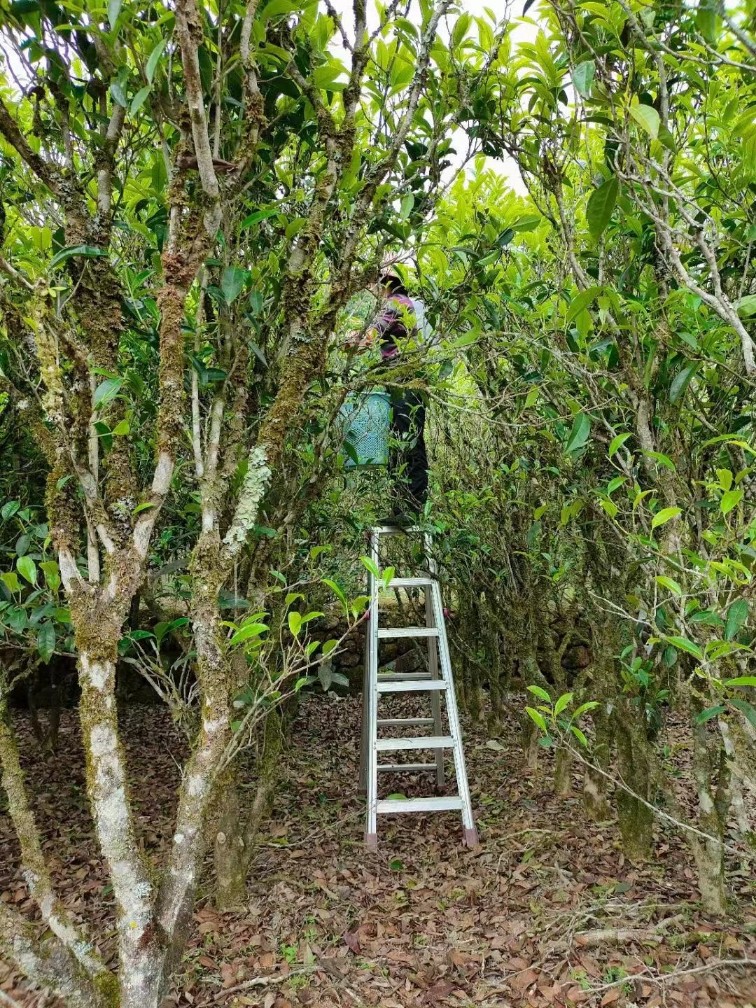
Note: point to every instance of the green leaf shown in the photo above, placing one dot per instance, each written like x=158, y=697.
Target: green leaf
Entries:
x=746, y=306
x=143, y=507
x=295, y=623
x=683, y=644
x=707, y=20
x=617, y=442
x=308, y=617
x=681, y=382
x=746, y=709
x=46, y=640
x=661, y=459
x=27, y=569
x=106, y=391
x=11, y=582
x=538, y=718
x=709, y=713
x=118, y=94
x=737, y=615
x=371, y=566
x=583, y=708
x=582, y=77
x=564, y=701
x=17, y=620
x=581, y=302
x=9, y=509
x=708, y=617
x=152, y=62
x=168, y=626
x=302, y=682
x=114, y=9
x=725, y=478
x=275, y=8
x=601, y=205
x=248, y=630
x=327, y=76
x=139, y=99
x=257, y=216
x=539, y=692
x=647, y=118
x=730, y=500
x=460, y=29
x=665, y=515
x=743, y=680
x=88, y=251
x=52, y=574
x=669, y=584
x=579, y=735
x=233, y=279
x=123, y=427
x=337, y=590
x=581, y=429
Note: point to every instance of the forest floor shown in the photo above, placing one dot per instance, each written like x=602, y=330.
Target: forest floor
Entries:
x=546, y=912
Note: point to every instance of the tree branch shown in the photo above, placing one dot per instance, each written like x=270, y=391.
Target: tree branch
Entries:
x=36, y=873
x=190, y=36
x=48, y=963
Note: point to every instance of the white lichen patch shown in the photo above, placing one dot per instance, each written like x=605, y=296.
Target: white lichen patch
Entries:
x=252, y=492
x=704, y=800
x=96, y=673
x=195, y=786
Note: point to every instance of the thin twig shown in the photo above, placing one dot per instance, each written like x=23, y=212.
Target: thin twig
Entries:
x=666, y=977
x=265, y=981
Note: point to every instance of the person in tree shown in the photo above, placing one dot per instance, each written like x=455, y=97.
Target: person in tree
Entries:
x=399, y=317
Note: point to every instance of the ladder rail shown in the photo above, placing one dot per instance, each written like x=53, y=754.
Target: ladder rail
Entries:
x=460, y=770
x=371, y=829
x=433, y=649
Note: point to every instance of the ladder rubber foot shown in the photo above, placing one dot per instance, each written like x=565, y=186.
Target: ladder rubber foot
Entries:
x=470, y=837
x=371, y=842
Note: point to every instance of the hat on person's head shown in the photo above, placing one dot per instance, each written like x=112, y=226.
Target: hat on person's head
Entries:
x=390, y=277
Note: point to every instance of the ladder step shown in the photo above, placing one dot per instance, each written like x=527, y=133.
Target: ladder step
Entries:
x=406, y=767
x=418, y=582
x=403, y=676
x=386, y=633
x=406, y=687
x=424, y=742
x=450, y=803
x=395, y=530
x=407, y=722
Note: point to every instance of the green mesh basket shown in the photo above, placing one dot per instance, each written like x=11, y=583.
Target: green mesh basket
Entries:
x=366, y=420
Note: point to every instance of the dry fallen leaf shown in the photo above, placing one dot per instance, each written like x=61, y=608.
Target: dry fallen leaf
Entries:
x=352, y=941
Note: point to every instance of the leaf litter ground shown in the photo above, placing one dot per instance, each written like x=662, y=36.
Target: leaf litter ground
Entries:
x=547, y=912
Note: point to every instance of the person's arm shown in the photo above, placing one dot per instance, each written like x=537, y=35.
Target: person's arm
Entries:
x=381, y=326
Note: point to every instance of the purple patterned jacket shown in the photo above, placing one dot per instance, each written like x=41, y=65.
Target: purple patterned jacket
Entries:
x=391, y=323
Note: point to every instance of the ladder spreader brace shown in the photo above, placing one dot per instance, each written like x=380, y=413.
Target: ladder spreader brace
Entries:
x=437, y=682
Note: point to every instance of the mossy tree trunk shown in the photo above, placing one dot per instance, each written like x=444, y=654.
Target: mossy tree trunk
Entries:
x=634, y=765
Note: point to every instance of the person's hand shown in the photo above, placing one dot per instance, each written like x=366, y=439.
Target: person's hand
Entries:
x=358, y=340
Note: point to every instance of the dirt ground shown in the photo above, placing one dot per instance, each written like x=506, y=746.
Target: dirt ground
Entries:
x=546, y=912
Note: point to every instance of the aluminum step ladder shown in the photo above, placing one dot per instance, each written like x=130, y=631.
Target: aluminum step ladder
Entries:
x=437, y=683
